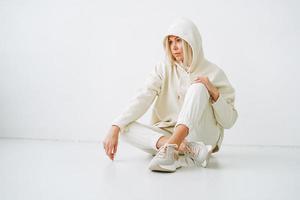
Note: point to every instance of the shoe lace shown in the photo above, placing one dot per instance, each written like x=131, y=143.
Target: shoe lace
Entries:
x=192, y=150
x=163, y=150
x=191, y=153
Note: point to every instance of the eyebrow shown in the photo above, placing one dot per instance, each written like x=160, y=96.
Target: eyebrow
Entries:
x=175, y=38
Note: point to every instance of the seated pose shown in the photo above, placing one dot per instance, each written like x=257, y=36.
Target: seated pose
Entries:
x=193, y=104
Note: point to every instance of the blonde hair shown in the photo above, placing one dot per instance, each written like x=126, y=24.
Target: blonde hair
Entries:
x=187, y=53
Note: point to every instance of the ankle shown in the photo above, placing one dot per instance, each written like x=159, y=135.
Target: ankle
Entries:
x=161, y=141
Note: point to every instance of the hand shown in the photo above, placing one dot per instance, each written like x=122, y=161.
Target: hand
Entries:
x=110, y=143
x=212, y=90
x=182, y=147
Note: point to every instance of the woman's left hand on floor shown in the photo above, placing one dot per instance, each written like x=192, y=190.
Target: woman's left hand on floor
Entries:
x=110, y=143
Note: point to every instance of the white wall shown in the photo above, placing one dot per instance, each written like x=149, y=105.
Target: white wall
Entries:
x=67, y=68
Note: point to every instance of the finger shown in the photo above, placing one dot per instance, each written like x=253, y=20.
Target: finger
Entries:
x=199, y=78
x=113, y=153
x=198, y=81
x=188, y=148
x=110, y=152
x=107, y=149
x=115, y=148
x=180, y=147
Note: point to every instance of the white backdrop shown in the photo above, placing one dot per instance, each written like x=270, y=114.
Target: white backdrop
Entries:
x=68, y=68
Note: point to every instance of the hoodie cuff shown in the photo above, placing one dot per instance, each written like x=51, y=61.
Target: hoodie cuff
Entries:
x=120, y=125
x=220, y=103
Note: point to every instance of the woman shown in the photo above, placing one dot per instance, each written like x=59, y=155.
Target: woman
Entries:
x=194, y=103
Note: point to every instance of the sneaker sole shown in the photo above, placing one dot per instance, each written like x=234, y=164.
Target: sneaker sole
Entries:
x=164, y=168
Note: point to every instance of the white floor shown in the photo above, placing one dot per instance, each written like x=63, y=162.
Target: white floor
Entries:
x=37, y=170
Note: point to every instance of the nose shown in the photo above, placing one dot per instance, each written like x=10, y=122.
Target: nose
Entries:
x=174, y=47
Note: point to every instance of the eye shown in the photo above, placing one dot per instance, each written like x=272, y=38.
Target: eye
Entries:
x=178, y=39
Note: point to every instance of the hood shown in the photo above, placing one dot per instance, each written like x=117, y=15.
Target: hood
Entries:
x=188, y=31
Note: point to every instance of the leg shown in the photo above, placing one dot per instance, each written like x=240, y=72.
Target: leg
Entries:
x=196, y=99
x=194, y=105
x=201, y=119
x=161, y=141
x=181, y=131
x=142, y=136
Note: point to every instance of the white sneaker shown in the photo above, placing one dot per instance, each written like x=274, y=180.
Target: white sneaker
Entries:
x=166, y=159
x=196, y=153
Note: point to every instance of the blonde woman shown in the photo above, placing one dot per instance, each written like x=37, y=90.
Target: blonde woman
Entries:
x=193, y=104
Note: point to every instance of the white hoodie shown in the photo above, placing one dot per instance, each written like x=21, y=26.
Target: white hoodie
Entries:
x=169, y=83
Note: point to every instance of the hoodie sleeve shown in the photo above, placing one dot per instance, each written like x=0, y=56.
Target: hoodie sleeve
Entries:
x=224, y=109
x=141, y=102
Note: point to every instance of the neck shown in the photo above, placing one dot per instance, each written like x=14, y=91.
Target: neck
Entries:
x=183, y=66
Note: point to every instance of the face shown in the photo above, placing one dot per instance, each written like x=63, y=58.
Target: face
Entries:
x=175, y=44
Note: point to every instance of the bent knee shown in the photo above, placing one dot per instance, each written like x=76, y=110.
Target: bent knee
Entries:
x=200, y=88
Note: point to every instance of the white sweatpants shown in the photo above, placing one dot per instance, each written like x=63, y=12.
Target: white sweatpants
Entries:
x=196, y=113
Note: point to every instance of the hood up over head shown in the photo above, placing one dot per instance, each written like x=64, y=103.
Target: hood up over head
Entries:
x=188, y=31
